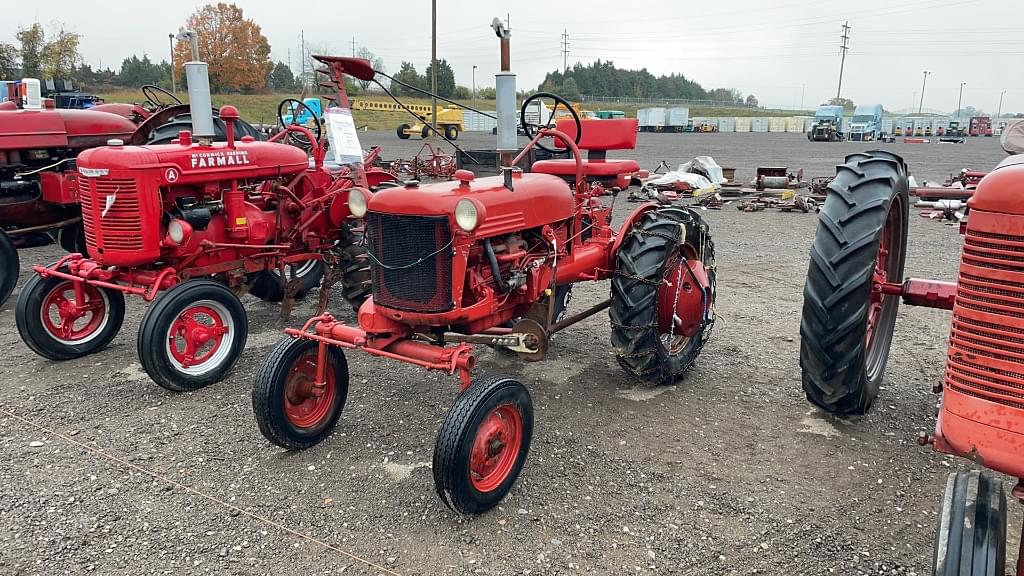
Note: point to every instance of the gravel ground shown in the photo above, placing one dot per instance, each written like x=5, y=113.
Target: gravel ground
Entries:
x=729, y=471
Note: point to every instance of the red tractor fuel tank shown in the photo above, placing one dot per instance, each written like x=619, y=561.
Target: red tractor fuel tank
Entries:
x=120, y=189
x=983, y=396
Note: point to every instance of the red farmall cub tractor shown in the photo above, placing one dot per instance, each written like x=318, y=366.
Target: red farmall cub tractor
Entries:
x=487, y=261
x=38, y=180
x=854, y=287
x=187, y=225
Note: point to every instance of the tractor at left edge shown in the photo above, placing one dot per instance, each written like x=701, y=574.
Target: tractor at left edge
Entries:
x=492, y=262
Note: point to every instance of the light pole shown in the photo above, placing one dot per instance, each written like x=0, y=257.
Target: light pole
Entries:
x=920, y=105
x=960, y=100
x=474, y=84
x=1000, y=112
x=174, y=83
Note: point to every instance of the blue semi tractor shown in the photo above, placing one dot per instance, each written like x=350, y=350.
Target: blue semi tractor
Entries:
x=828, y=124
x=866, y=125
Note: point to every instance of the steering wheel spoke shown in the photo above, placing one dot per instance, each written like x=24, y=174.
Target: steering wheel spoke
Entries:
x=532, y=128
x=293, y=107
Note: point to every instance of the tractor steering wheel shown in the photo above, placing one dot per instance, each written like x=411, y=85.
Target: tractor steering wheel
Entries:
x=152, y=92
x=293, y=106
x=531, y=129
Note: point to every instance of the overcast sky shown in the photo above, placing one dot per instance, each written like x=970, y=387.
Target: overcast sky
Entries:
x=785, y=51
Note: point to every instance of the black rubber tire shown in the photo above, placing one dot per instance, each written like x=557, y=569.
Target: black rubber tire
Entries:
x=72, y=239
x=355, y=269
x=425, y=131
x=834, y=355
x=970, y=539
x=455, y=442
x=268, y=395
x=268, y=286
x=10, y=266
x=164, y=133
x=27, y=314
x=639, y=270
x=451, y=132
x=402, y=135
x=152, y=342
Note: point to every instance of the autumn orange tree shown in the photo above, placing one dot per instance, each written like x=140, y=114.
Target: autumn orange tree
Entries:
x=235, y=48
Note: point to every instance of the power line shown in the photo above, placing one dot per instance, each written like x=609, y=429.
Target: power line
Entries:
x=843, y=48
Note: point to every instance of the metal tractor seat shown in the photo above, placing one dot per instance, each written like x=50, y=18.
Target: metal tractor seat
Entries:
x=598, y=137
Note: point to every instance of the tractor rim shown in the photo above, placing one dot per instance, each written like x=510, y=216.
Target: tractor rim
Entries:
x=495, y=448
x=298, y=270
x=305, y=404
x=883, y=307
x=70, y=322
x=200, y=338
x=676, y=285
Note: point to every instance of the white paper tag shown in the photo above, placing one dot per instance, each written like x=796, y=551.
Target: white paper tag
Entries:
x=341, y=132
x=109, y=203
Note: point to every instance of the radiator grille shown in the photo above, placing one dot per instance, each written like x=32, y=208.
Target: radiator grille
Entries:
x=121, y=227
x=411, y=261
x=986, y=344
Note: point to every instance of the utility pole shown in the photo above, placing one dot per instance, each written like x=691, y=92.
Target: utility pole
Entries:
x=565, y=50
x=802, y=88
x=174, y=82
x=1000, y=112
x=920, y=104
x=843, y=49
x=353, y=46
x=302, y=48
x=474, y=85
x=433, y=65
x=960, y=100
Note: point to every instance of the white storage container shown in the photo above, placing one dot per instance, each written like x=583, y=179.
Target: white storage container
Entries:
x=676, y=118
x=759, y=124
x=726, y=124
x=651, y=119
x=743, y=123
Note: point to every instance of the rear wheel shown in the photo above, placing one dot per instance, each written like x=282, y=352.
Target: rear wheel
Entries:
x=660, y=315
x=425, y=131
x=971, y=536
x=482, y=444
x=269, y=286
x=402, y=134
x=355, y=271
x=291, y=410
x=451, y=132
x=847, y=323
x=192, y=335
x=165, y=133
x=55, y=325
x=72, y=239
x=9, y=267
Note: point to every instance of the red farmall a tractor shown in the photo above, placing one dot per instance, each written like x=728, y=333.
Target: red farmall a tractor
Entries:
x=489, y=261
x=853, y=290
x=188, y=226
x=38, y=177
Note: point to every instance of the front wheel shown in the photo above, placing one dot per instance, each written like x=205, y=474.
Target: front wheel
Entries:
x=451, y=132
x=291, y=409
x=56, y=325
x=401, y=131
x=9, y=267
x=847, y=323
x=663, y=295
x=970, y=539
x=483, y=443
x=192, y=335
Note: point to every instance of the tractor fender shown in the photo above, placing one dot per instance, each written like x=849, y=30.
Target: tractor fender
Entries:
x=632, y=219
x=141, y=135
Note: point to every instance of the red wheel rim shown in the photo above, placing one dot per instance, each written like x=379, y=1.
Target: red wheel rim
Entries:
x=73, y=322
x=495, y=448
x=882, y=308
x=305, y=404
x=200, y=337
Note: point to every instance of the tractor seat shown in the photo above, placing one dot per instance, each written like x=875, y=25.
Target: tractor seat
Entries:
x=598, y=137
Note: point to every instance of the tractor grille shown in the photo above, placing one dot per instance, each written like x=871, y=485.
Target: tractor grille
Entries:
x=411, y=261
x=986, y=342
x=121, y=228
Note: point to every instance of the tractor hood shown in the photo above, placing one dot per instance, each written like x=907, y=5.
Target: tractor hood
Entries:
x=24, y=129
x=535, y=200
x=196, y=164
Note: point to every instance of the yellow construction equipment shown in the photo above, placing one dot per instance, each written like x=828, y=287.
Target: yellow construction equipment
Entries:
x=449, y=123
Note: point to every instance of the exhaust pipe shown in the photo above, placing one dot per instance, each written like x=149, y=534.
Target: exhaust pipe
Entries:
x=200, y=104
x=505, y=89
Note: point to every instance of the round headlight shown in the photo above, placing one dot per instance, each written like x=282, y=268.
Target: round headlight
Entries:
x=357, y=203
x=466, y=215
x=178, y=231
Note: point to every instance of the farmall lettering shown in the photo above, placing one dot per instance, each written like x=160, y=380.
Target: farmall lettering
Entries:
x=220, y=158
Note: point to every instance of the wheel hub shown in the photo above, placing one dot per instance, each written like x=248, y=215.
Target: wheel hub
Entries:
x=196, y=335
x=61, y=314
x=308, y=403
x=495, y=448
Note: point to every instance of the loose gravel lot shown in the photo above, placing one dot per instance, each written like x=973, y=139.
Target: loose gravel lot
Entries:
x=729, y=471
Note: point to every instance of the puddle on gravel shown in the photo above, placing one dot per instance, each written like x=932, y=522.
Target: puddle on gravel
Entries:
x=815, y=422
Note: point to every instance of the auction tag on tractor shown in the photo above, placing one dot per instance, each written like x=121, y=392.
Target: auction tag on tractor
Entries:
x=342, y=135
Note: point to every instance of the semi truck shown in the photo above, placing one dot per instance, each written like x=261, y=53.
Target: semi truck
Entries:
x=828, y=124
x=980, y=126
x=866, y=125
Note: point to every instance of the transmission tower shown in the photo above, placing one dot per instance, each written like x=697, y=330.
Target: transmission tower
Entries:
x=842, y=50
x=565, y=50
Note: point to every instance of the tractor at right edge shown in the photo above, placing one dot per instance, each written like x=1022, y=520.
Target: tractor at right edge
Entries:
x=854, y=287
